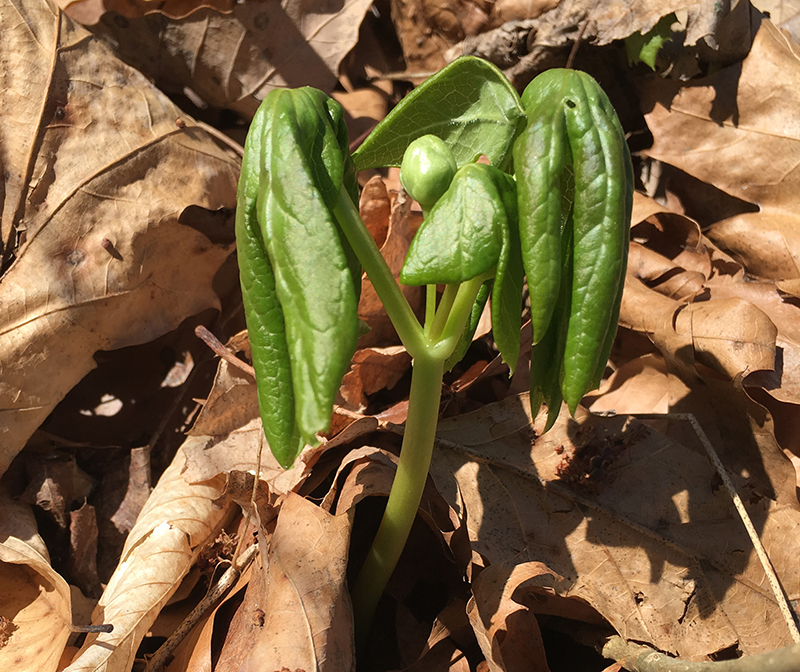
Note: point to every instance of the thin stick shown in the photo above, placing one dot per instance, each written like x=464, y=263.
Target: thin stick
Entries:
x=573, y=52
x=761, y=552
x=638, y=658
x=228, y=579
x=216, y=345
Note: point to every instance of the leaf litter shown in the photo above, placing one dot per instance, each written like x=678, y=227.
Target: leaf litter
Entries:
x=601, y=523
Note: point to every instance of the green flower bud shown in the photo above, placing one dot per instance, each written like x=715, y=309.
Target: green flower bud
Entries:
x=427, y=169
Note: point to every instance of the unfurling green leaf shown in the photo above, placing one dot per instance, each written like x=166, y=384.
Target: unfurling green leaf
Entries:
x=463, y=234
x=300, y=279
x=469, y=104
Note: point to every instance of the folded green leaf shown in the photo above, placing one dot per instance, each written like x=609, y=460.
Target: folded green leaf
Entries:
x=463, y=234
x=574, y=183
x=469, y=104
x=543, y=166
x=602, y=215
x=472, y=324
x=508, y=283
x=300, y=279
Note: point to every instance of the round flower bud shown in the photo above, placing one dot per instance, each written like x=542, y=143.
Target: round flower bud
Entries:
x=427, y=170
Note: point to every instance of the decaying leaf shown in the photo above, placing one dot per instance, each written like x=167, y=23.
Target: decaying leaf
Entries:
x=96, y=203
x=736, y=130
x=234, y=60
x=35, y=599
x=158, y=553
x=631, y=520
x=507, y=631
x=392, y=223
x=308, y=616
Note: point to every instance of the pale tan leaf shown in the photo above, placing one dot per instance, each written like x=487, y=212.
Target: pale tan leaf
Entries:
x=35, y=598
x=308, y=616
x=159, y=551
x=737, y=130
x=730, y=336
x=94, y=216
x=642, y=385
x=234, y=60
x=642, y=535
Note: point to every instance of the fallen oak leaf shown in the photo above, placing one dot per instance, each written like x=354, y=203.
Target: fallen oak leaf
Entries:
x=628, y=543
x=94, y=212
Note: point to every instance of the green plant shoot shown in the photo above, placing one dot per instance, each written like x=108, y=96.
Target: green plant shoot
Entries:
x=560, y=217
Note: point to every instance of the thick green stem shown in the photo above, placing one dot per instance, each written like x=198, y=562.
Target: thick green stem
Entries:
x=404, y=499
x=380, y=275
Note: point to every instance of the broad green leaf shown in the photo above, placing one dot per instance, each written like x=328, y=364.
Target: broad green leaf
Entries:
x=469, y=104
x=463, y=234
x=299, y=278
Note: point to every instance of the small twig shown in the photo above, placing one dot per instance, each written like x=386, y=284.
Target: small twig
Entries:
x=638, y=658
x=761, y=552
x=228, y=579
x=104, y=627
x=577, y=43
x=216, y=345
x=222, y=137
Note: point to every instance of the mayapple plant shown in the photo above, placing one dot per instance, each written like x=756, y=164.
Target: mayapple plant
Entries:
x=553, y=204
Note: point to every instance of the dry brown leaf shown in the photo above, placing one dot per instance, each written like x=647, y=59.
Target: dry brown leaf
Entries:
x=642, y=385
x=159, y=551
x=234, y=60
x=507, y=631
x=93, y=214
x=371, y=370
x=730, y=336
x=399, y=228
x=89, y=12
x=737, y=130
x=308, y=616
x=647, y=541
x=35, y=599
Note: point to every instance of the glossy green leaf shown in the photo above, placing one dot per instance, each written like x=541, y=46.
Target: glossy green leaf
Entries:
x=463, y=234
x=300, y=280
x=469, y=104
x=601, y=216
x=508, y=283
x=543, y=165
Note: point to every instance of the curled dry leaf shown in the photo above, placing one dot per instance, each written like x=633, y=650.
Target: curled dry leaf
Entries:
x=101, y=174
x=234, y=60
x=228, y=433
x=35, y=598
x=308, y=616
x=507, y=631
x=374, y=369
x=631, y=519
x=641, y=385
x=392, y=223
x=159, y=551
